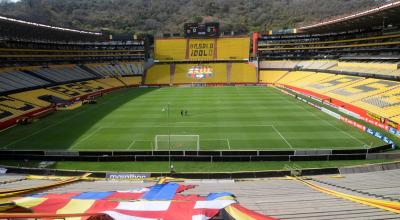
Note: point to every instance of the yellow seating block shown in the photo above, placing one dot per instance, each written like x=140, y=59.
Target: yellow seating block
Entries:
x=132, y=80
x=271, y=76
x=387, y=104
x=158, y=74
x=8, y=113
x=243, y=73
x=331, y=83
x=15, y=107
x=362, y=89
x=313, y=78
x=396, y=119
x=33, y=96
x=294, y=76
x=114, y=83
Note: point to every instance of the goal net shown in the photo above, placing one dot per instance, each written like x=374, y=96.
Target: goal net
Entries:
x=177, y=142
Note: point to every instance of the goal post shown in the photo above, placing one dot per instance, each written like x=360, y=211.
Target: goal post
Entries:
x=177, y=142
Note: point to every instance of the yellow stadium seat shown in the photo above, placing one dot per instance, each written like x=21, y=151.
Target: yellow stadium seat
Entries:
x=362, y=89
x=312, y=78
x=132, y=80
x=292, y=77
x=34, y=96
x=271, y=76
x=113, y=82
x=10, y=107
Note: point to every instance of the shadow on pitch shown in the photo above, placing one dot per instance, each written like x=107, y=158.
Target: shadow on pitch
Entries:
x=62, y=129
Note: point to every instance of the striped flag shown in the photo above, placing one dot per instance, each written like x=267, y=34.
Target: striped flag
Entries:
x=161, y=201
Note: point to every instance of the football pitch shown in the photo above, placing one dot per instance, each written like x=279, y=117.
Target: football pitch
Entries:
x=218, y=118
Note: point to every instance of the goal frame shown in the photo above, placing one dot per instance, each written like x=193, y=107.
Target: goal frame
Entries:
x=176, y=135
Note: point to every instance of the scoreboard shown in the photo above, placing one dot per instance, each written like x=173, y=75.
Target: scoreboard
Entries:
x=207, y=30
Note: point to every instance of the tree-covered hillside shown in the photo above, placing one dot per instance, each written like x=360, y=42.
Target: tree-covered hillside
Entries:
x=168, y=16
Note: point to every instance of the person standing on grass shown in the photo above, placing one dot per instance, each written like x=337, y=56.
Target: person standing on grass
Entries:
x=182, y=113
x=186, y=112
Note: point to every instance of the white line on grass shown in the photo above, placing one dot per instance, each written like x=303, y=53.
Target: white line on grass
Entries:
x=131, y=144
x=85, y=138
x=41, y=130
x=326, y=121
x=287, y=142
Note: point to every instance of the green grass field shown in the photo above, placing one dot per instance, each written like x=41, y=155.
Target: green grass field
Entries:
x=224, y=118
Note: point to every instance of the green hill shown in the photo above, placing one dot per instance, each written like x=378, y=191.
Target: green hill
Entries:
x=168, y=16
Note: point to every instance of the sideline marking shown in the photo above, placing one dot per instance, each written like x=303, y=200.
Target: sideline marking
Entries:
x=287, y=142
x=327, y=122
x=132, y=143
x=86, y=137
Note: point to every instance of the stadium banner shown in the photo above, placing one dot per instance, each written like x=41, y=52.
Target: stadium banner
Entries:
x=127, y=175
x=331, y=113
x=353, y=123
x=381, y=136
x=375, y=123
x=170, y=49
x=394, y=131
x=201, y=49
x=181, y=49
x=349, y=113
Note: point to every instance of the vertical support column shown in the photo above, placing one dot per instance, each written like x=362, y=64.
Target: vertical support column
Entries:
x=255, y=43
x=171, y=73
x=228, y=72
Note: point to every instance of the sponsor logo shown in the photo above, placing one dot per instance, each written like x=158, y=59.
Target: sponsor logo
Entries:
x=127, y=175
x=200, y=72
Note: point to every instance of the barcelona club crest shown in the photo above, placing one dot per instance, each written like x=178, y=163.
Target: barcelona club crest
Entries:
x=200, y=72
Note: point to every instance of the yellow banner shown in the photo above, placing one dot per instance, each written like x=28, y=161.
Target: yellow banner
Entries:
x=201, y=49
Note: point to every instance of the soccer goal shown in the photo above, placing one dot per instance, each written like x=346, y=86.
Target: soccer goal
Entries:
x=177, y=142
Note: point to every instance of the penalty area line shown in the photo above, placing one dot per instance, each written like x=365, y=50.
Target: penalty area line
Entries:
x=131, y=144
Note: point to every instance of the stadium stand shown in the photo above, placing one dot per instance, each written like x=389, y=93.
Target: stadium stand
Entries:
x=63, y=74
x=120, y=69
x=13, y=80
x=271, y=76
x=284, y=198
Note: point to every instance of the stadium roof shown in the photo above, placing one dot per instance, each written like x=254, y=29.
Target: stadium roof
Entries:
x=2, y=18
x=384, y=14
